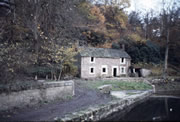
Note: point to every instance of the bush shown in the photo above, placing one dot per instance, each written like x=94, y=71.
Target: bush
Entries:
x=41, y=71
x=70, y=69
x=144, y=52
x=20, y=86
x=134, y=52
x=115, y=45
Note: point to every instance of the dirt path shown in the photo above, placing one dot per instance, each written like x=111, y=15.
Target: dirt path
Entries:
x=83, y=98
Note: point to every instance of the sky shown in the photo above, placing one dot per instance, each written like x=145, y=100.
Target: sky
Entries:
x=144, y=6
x=147, y=5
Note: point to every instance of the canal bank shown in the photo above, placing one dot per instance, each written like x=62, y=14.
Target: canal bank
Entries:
x=106, y=111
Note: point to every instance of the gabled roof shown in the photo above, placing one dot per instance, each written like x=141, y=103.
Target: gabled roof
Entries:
x=104, y=53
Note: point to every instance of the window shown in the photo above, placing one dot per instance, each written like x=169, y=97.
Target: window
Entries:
x=91, y=70
x=123, y=70
x=122, y=60
x=92, y=60
x=104, y=69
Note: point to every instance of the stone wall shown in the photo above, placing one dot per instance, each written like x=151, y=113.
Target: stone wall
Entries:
x=170, y=86
x=104, y=112
x=49, y=92
x=99, y=62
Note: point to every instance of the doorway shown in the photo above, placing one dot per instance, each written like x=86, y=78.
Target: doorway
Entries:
x=115, y=72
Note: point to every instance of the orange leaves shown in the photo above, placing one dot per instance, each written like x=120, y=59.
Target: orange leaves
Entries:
x=92, y=12
x=96, y=12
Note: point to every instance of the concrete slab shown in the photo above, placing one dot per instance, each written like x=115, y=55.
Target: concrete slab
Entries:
x=127, y=93
x=118, y=94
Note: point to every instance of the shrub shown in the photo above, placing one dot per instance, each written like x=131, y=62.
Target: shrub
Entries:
x=115, y=45
x=19, y=86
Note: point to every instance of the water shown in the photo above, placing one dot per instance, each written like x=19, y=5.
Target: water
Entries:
x=154, y=109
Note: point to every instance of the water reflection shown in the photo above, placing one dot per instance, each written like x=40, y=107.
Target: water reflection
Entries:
x=154, y=109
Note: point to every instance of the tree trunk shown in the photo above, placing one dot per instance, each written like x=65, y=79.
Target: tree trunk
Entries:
x=51, y=75
x=55, y=78
x=36, y=77
x=47, y=77
x=165, y=74
x=59, y=78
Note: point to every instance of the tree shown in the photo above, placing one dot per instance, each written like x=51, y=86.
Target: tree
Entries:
x=29, y=31
x=5, y=7
x=166, y=26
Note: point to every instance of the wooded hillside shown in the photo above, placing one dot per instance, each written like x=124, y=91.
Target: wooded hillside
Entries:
x=41, y=37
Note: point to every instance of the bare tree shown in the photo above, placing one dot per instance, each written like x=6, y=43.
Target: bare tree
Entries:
x=166, y=26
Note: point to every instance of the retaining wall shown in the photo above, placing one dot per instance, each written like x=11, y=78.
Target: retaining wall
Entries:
x=103, y=112
x=49, y=92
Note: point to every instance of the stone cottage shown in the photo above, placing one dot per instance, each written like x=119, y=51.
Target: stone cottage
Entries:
x=101, y=62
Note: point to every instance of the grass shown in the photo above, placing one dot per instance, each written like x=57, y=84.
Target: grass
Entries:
x=120, y=85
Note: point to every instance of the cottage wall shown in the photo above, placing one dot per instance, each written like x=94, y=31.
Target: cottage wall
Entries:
x=99, y=62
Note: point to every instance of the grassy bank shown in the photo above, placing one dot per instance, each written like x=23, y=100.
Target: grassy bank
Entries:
x=120, y=85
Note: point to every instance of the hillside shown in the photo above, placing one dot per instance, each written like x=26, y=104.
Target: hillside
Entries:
x=39, y=38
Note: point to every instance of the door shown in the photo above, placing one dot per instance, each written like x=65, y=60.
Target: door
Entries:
x=115, y=72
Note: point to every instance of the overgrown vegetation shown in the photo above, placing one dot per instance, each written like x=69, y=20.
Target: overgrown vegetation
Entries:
x=121, y=85
x=37, y=39
x=20, y=86
x=41, y=37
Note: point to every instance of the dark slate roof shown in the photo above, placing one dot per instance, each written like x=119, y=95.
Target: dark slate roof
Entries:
x=104, y=53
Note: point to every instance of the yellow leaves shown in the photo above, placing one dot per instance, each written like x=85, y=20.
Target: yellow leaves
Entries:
x=84, y=4
x=137, y=38
x=110, y=25
x=59, y=54
x=96, y=14
x=84, y=7
x=121, y=18
x=92, y=12
x=105, y=45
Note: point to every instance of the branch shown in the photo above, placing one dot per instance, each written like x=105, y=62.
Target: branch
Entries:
x=5, y=5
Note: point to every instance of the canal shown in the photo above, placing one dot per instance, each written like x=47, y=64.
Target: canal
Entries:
x=157, y=108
